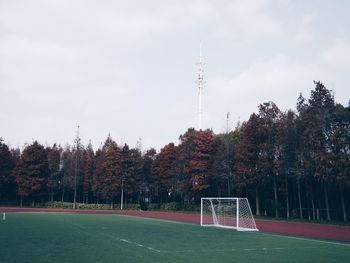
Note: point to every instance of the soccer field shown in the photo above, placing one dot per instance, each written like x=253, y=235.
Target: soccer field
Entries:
x=60, y=237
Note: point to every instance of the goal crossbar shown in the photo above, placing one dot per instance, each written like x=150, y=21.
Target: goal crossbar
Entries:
x=227, y=212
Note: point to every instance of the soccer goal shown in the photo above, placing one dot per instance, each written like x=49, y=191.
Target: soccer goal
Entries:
x=227, y=212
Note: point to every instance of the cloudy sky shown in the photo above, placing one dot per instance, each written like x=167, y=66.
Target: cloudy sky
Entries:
x=128, y=68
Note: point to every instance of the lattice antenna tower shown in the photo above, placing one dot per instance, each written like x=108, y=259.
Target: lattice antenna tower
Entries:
x=200, y=82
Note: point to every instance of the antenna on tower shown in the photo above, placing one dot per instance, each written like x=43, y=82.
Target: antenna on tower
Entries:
x=227, y=122
x=200, y=83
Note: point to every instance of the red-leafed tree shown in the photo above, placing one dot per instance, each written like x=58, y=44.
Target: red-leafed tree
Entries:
x=186, y=148
x=131, y=171
x=97, y=176
x=248, y=164
x=88, y=171
x=195, y=150
x=165, y=172
x=32, y=172
x=111, y=176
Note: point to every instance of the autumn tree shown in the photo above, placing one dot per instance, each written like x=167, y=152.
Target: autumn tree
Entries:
x=32, y=172
x=186, y=148
x=111, y=176
x=165, y=172
x=88, y=171
x=197, y=148
x=131, y=171
x=97, y=176
x=248, y=165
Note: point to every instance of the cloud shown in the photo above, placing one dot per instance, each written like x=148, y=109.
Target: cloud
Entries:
x=277, y=79
x=338, y=55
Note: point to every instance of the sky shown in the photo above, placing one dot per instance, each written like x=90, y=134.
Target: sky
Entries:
x=128, y=68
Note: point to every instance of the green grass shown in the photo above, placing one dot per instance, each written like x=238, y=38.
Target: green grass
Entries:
x=56, y=237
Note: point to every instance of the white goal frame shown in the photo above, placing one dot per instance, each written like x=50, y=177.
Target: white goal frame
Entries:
x=227, y=212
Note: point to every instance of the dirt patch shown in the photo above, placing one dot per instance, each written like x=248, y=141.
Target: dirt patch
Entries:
x=318, y=231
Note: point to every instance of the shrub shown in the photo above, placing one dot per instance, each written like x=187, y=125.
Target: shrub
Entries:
x=153, y=206
x=131, y=206
x=173, y=206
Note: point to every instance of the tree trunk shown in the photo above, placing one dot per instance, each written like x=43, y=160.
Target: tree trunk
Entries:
x=21, y=202
x=63, y=194
x=327, y=204
x=308, y=205
x=345, y=217
x=287, y=196
x=275, y=195
x=228, y=186
x=299, y=197
x=257, y=212
x=313, y=206
x=75, y=197
x=112, y=203
x=51, y=195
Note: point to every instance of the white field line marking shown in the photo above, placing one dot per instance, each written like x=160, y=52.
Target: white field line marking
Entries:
x=139, y=245
x=312, y=240
x=97, y=233
x=265, y=249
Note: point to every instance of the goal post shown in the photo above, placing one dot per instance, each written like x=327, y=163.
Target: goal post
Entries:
x=227, y=212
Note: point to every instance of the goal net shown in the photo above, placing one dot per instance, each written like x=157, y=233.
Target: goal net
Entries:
x=227, y=212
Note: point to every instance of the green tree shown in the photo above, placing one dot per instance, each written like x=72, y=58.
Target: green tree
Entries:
x=7, y=164
x=270, y=150
x=54, y=159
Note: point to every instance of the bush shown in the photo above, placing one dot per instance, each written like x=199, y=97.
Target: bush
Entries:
x=94, y=206
x=153, y=206
x=173, y=206
x=131, y=206
x=192, y=207
x=57, y=204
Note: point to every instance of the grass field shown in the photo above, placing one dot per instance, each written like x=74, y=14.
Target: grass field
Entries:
x=59, y=237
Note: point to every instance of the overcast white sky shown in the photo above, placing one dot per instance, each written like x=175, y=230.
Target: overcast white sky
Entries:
x=128, y=68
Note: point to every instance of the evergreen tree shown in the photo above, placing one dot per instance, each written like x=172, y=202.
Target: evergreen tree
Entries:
x=54, y=159
x=7, y=164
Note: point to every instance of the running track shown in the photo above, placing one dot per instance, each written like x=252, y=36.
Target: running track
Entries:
x=318, y=231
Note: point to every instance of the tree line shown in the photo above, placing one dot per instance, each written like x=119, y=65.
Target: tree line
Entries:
x=288, y=164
